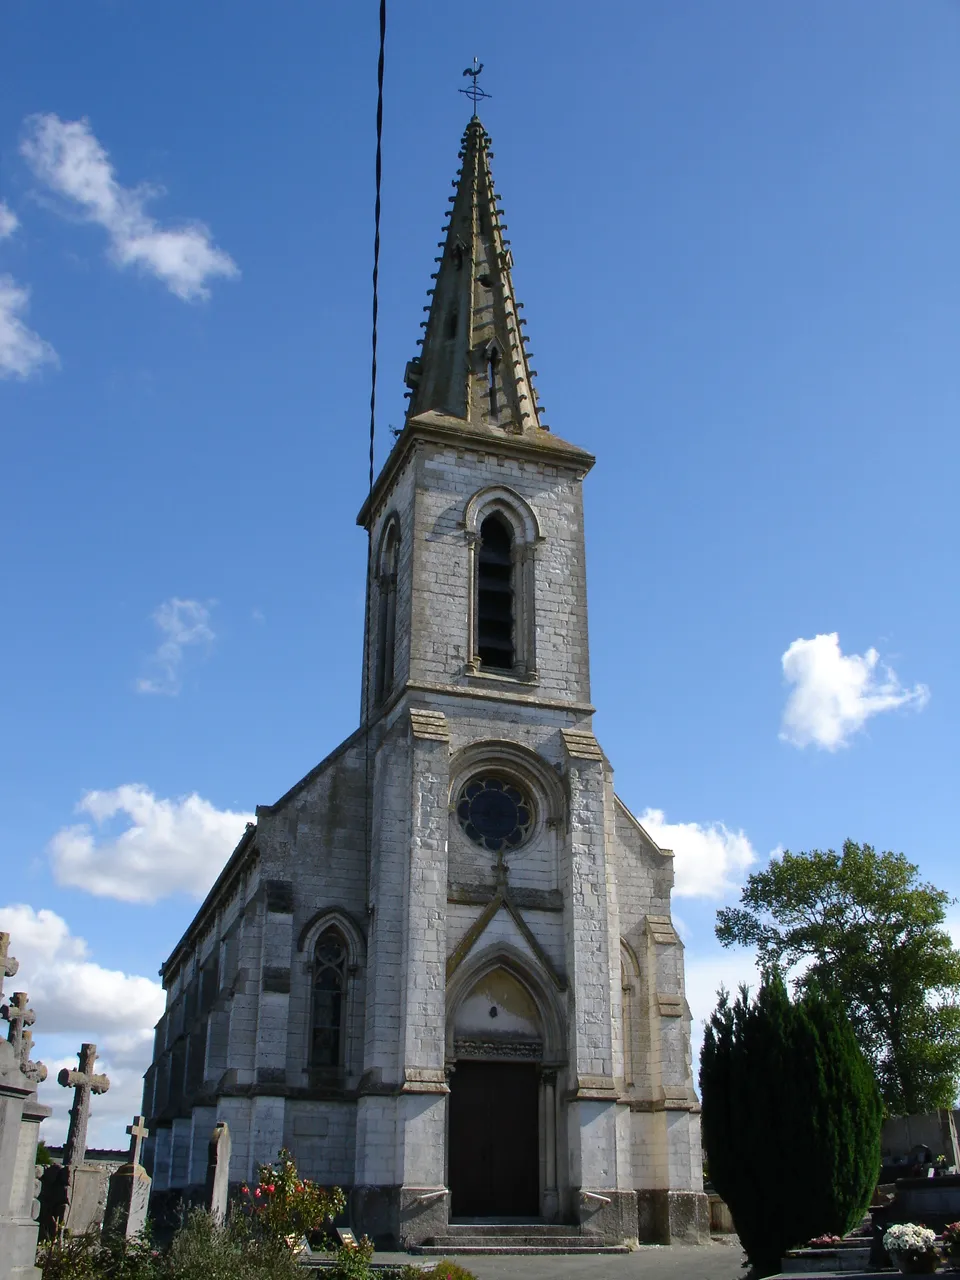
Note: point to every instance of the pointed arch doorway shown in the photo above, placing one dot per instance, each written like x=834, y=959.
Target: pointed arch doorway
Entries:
x=495, y=1109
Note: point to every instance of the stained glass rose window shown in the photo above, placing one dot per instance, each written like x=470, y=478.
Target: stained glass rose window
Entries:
x=495, y=813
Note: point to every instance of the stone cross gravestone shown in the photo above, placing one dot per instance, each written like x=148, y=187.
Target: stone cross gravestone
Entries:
x=20, y=1117
x=20, y=1018
x=137, y=1131
x=8, y=965
x=129, y=1193
x=218, y=1171
x=77, y=1193
x=83, y=1083
x=35, y=1072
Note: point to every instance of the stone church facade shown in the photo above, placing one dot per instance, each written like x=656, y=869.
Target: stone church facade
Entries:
x=441, y=969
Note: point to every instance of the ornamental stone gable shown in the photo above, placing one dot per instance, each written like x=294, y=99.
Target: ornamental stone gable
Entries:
x=441, y=968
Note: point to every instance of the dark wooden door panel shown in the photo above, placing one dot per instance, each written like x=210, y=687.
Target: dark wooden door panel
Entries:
x=494, y=1140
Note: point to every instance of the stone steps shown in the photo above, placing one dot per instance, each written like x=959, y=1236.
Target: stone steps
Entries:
x=479, y=1238
x=516, y=1227
x=466, y=1245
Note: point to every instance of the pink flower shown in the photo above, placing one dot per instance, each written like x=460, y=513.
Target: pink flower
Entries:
x=257, y=1192
x=271, y=1188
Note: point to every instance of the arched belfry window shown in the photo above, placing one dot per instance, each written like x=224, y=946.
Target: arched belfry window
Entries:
x=386, y=611
x=502, y=534
x=329, y=1002
x=495, y=595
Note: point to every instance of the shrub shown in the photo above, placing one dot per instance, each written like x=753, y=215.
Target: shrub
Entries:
x=79, y=1257
x=69, y=1257
x=442, y=1270
x=353, y=1261
x=205, y=1249
x=791, y=1119
x=285, y=1205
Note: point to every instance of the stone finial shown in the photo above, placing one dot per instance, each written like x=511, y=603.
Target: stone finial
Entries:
x=83, y=1083
x=137, y=1131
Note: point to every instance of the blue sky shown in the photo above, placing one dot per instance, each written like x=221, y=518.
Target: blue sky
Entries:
x=735, y=233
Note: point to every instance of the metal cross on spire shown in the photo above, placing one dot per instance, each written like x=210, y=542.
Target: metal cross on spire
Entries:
x=475, y=93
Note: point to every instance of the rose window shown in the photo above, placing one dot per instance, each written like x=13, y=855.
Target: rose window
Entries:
x=494, y=813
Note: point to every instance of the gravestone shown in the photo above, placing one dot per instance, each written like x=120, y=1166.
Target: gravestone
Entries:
x=218, y=1171
x=83, y=1083
x=129, y=1192
x=76, y=1193
x=20, y=1117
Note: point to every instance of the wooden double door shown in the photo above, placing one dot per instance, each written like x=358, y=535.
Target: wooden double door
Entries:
x=493, y=1156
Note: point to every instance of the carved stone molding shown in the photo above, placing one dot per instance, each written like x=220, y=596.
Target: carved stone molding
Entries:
x=507, y=1050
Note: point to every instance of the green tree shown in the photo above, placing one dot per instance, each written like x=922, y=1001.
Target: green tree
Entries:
x=791, y=1119
x=869, y=933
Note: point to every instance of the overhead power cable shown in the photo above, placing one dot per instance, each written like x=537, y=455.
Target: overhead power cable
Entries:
x=368, y=621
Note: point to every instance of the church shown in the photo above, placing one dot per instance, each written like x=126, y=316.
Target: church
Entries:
x=441, y=970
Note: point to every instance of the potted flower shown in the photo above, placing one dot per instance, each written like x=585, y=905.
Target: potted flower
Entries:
x=912, y=1248
x=951, y=1245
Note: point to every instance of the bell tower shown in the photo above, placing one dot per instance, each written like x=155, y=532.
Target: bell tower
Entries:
x=481, y=588
x=501, y=860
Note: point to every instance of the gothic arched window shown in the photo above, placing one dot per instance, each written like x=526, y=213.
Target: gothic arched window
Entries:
x=386, y=612
x=329, y=1002
x=495, y=592
x=502, y=537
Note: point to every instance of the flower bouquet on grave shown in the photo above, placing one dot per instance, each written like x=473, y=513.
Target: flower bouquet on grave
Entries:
x=951, y=1245
x=824, y=1242
x=284, y=1206
x=912, y=1248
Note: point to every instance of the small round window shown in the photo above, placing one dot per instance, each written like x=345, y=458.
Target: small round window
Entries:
x=495, y=813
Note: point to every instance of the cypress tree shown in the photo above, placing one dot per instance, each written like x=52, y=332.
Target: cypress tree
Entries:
x=791, y=1119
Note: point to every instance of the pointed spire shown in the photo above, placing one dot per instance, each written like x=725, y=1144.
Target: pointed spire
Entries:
x=474, y=365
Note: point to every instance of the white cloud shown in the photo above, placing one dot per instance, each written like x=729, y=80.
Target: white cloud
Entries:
x=704, y=975
x=183, y=623
x=834, y=695
x=8, y=220
x=22, y=351
x=709, y=859
x=66, y=155
x=166, y=846
x=78, y=1000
